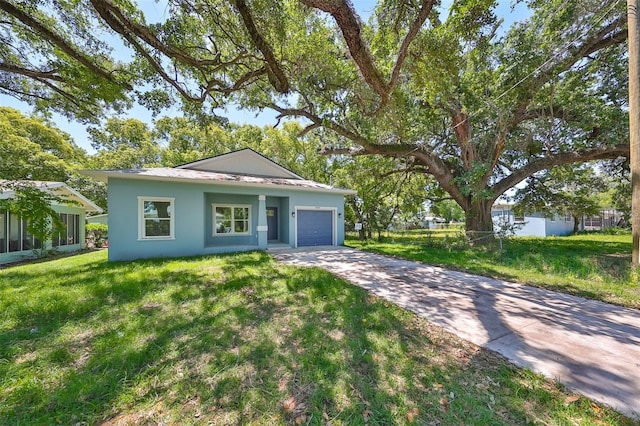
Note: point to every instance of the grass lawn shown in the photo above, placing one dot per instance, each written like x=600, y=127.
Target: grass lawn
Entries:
x=594, y=266
x=241, y=339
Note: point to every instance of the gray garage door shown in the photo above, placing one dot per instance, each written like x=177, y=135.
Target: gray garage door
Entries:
x=315, y=228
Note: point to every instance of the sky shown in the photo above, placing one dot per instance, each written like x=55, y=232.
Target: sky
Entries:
x=155, y=11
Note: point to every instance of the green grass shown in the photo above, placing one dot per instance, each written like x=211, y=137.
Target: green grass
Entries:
x=595, y=266
x=240, y=339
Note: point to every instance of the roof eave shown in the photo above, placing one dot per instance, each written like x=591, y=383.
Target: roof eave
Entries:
x=105, y=175
x=72, y=195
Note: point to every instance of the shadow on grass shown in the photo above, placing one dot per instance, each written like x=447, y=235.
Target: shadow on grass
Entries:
x=234, y=339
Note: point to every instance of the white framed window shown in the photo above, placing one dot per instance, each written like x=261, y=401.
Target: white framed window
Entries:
x=156, y=219
x=231, y=219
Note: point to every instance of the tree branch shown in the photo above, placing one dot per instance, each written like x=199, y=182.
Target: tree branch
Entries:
x=35, y=74
x=548, y=111
x=348, y=23
x=112, y=14
x=276, y=75
x=427, y=5
x=540, y=164
x=610, y=35
x=58, y=41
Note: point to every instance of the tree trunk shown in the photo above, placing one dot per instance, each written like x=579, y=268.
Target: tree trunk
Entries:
x=576, y=224
x=478, y=222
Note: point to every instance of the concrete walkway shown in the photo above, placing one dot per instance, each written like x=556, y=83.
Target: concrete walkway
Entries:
x=591, y=347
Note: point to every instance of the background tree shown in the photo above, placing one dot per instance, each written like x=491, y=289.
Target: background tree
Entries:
x=449, y=210
x=476, y=108
x=32, y=148
x=123, y=143
x=182, y=140
x=385, y=191
x=619, y=193
x=563, y=190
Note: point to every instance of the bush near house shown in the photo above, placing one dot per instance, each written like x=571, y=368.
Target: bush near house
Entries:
x=97, y=234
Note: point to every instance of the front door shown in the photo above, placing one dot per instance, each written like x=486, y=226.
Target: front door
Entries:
x=272, y=223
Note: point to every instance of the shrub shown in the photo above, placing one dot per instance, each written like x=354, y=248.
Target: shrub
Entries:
x=97, y=232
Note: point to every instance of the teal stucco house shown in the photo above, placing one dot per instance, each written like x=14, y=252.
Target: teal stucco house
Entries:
x=232, y=202
x=16, y=243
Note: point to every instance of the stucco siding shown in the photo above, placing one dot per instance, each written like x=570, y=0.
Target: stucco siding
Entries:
x=193, y=216
x=559, y=226
x=535, y=224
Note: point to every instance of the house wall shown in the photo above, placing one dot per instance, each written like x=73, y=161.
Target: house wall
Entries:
x=559, y=226
x=15, y=256
x=535, y=225
x=101, y=218
x=193, y=220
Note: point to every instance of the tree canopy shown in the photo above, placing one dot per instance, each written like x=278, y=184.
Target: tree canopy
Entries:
x=32, y=148
x=450, y=94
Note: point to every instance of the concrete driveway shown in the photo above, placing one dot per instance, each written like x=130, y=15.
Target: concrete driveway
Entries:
x=591, y=347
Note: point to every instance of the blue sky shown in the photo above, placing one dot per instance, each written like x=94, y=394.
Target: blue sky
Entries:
x=155, y=10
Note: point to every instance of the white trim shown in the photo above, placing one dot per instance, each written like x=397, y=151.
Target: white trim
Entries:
x=334, y=221
x=232, y=206
x=141, y=219
x=52, y=187
x=262, y=228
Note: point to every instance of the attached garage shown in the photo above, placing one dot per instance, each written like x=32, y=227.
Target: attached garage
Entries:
x=314, y=228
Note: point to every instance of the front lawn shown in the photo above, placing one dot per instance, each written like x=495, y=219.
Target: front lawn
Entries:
x=595, y=266
x=241, y=339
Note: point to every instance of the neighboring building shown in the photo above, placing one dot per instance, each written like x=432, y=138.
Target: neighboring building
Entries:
x=99, y=218
x=16, y=243
x=606, y=218
x=233, y=202
x=433, y=222
x=531, y=225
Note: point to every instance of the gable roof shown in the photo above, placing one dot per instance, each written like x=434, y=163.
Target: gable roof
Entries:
x=245, y=162
x=60, y=189
x=238, y=168
x=204, y=177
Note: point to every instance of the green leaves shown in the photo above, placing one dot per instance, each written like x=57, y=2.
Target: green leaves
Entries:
x=33, y=204
x=31, y=148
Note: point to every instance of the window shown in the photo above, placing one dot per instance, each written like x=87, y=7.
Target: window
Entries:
x=14, y=233
x=70, y=234
x=19, y=238
x=3, y=232
x=231, y=219
x=29, y=241
x=518, y=219
x=156, y=218
x=568, y=217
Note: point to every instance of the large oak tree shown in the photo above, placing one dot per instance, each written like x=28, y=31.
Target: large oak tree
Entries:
x=451, y=94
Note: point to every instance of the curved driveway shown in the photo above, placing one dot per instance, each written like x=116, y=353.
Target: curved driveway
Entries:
x=591, y=347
